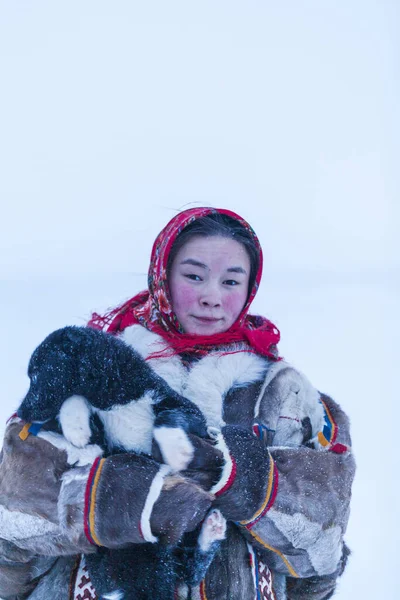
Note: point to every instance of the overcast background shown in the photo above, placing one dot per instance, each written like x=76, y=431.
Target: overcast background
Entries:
x=114, y=115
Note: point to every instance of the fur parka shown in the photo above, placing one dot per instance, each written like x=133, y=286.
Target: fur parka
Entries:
x=285, y=489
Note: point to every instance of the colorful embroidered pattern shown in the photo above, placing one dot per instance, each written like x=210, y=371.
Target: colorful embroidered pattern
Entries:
x=264, y=580
x=90, y=500
x=278, y=552
x=272, y=489
x=262, y=432
x=327, y=436
x=229, y=481
x=82, y=588
x=29, y=428
x=262, y=577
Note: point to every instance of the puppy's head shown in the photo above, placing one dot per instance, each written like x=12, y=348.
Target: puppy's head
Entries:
x=52, y=372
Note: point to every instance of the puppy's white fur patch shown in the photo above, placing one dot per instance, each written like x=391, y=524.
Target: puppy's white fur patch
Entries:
x=74, y=419
x=212, y=530
x=175, y=446
x=130, y=426
x=75, y=456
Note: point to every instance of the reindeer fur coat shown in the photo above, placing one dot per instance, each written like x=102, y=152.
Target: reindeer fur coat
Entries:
x=285, y=489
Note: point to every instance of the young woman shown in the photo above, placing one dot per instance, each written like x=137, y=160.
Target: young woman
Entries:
x=280, y=469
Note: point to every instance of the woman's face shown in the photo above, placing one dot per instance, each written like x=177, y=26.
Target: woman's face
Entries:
x=208, y=283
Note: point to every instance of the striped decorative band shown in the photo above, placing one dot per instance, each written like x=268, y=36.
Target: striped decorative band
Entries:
x=90, y=500
x=272, y=489
x=262, y=577
x=261, y=431
x=203, y=594
x=328, y=435
x=29, y=428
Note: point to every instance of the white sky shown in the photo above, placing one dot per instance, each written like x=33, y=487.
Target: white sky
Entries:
x=115, y=115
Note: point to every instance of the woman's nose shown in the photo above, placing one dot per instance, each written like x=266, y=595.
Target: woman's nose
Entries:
x=210, y=297
x=210, y=302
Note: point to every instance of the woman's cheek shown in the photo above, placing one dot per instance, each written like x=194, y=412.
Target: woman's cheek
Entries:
x=234, y=302
x=184, y=297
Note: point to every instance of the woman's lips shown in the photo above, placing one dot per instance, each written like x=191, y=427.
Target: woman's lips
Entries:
x=206, y=319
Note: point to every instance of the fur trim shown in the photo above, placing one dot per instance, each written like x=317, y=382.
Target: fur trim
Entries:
x=146, y=342
x=152, y=497
x=212, y=377
x=229, y=469
x=209, y=379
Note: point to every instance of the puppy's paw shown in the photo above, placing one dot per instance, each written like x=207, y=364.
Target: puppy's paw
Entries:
x=175, y=446
x=83, y=456
x=78, y=437
x=74, y=420
x=212, y=530
x=75, y=456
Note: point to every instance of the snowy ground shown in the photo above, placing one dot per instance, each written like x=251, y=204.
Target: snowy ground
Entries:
x=337, y=328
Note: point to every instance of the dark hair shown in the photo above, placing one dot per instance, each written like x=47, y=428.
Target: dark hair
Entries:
x=217, y=224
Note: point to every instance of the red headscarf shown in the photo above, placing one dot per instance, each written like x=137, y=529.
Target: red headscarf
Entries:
x=152, y=308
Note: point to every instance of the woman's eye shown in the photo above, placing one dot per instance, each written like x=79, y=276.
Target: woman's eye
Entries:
x=231, y=282
x=193, y=277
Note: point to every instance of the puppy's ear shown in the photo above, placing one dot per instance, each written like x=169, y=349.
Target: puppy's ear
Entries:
x=71, y=334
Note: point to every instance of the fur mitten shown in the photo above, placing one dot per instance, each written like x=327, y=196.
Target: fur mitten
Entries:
x=129, y=498
x=235, y=467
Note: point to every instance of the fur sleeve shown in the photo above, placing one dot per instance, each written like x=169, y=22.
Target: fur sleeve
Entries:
x=50, y=509
x=19, y=570
x=299, y=494
x=31, y=472
x=30, y=536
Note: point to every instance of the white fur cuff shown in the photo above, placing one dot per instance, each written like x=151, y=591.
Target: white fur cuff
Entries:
x=229, y=469
x=152, y=497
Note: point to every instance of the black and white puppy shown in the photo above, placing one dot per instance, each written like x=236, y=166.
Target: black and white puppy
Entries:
x=78, y=374
x=151, y=571
x=77, y=371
